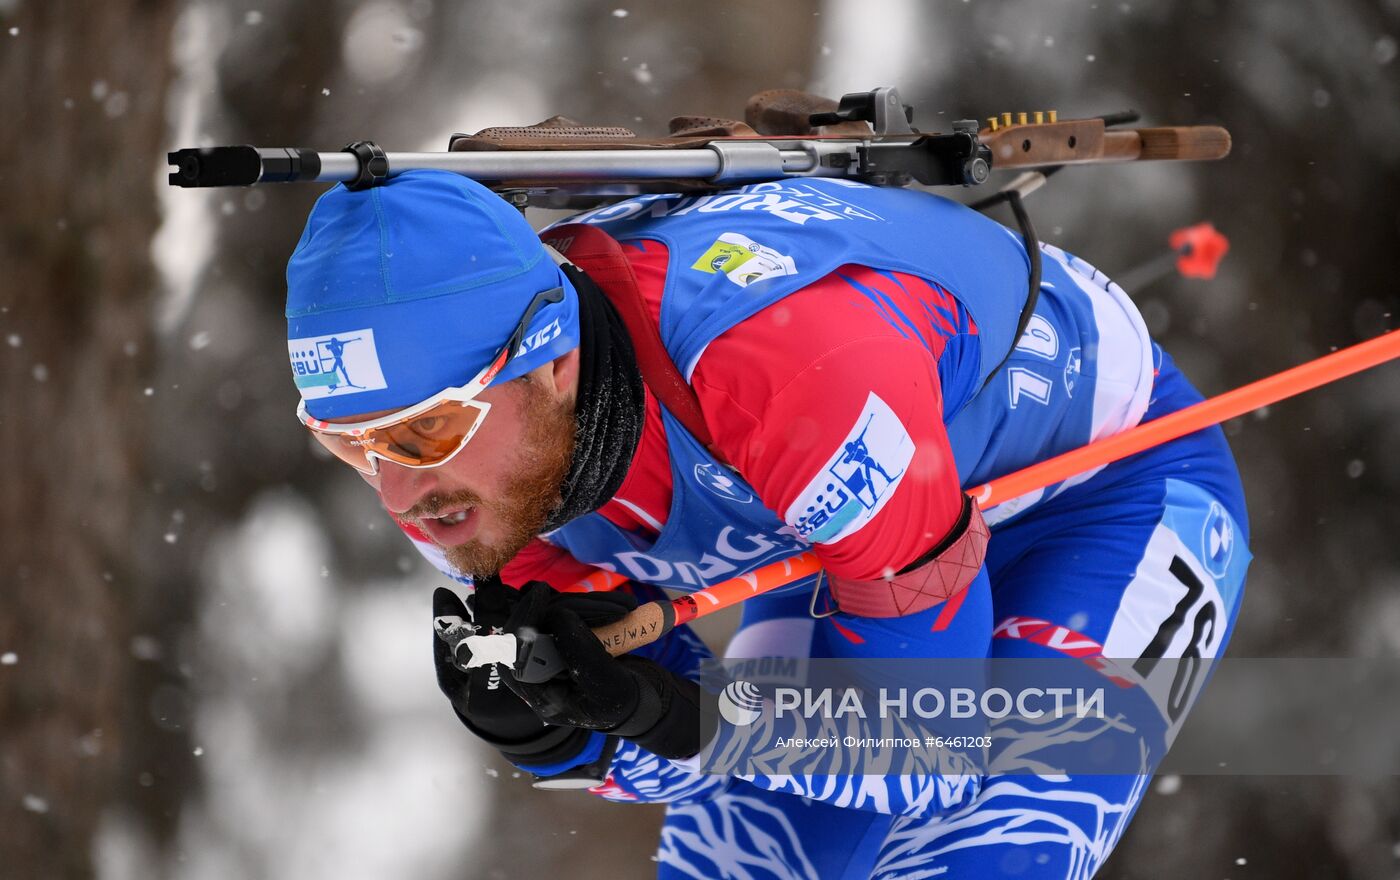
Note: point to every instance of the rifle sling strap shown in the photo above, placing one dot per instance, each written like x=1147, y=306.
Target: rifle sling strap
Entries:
x=598, y=254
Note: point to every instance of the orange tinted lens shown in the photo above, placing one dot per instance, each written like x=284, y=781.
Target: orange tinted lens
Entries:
x=346, y=448
x=427, y=438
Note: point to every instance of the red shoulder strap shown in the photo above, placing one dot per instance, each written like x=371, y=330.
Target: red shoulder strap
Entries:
x=599, y=254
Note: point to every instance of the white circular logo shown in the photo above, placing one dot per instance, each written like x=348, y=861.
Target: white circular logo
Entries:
x=714, y=478
x=740, y=703
x=1218, y=538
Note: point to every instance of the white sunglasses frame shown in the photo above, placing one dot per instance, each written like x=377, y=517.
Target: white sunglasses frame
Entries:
x=465, y=394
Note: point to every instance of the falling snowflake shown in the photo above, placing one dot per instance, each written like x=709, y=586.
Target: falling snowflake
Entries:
x=1384, y=51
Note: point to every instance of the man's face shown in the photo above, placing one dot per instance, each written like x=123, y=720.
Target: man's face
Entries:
x=496, y=494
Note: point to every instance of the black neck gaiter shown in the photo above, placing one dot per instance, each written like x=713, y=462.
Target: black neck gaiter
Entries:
x=608, y=410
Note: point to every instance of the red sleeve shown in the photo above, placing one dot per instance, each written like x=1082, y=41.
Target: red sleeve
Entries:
x=832, y=410
x=542, y=561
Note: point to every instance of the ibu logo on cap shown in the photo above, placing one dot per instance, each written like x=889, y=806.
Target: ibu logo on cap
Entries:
x=336, y=364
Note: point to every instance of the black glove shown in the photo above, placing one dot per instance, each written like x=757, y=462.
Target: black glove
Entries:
x=627, y=696
x=482, y=699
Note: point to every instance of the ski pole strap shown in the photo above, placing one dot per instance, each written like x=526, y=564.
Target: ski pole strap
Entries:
x=597, y=256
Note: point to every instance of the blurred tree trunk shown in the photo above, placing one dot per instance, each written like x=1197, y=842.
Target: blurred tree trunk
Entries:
x=83, y=106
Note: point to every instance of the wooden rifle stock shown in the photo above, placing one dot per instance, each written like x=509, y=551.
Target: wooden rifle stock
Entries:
x=1087, y=141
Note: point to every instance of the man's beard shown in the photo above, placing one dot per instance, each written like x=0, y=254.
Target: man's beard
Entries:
x=528, y=498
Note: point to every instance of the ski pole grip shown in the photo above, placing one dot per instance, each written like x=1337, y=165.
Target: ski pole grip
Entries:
x=644, y=625
x=537, y=659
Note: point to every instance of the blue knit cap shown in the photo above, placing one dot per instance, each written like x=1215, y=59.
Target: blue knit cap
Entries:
x=399, y=291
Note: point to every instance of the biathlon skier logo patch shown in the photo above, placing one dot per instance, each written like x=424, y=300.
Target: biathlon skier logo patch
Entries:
x=337, y=364
x=743, y=260
x=857, y=480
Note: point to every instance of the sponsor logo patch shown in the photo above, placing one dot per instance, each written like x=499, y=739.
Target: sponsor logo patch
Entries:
x=1217, y=540
x=1073, y=366
x=743, y=260
x=714, y=478
x=337, y=364
x=793, y=202
x=858, y=479
x=545, y=334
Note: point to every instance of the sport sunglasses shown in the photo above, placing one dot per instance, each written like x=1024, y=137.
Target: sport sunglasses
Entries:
x=430, y=433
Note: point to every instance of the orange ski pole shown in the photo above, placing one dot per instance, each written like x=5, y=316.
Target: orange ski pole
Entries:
x=1296, y=380
x=652, y=620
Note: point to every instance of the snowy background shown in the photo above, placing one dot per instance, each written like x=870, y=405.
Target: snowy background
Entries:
x=214, y=649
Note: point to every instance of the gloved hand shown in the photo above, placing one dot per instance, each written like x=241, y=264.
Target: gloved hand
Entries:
x=480, y=697
x=627, y=696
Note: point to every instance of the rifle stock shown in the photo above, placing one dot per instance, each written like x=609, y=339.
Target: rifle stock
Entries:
x=1087, y=141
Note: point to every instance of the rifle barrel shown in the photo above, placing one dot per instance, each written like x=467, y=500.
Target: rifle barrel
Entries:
x=541, y=164
x=720, y=163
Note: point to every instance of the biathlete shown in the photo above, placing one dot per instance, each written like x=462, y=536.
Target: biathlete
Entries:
x=837, y=363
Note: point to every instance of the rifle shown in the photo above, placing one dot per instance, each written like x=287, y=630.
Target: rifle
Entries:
x=865, y=137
